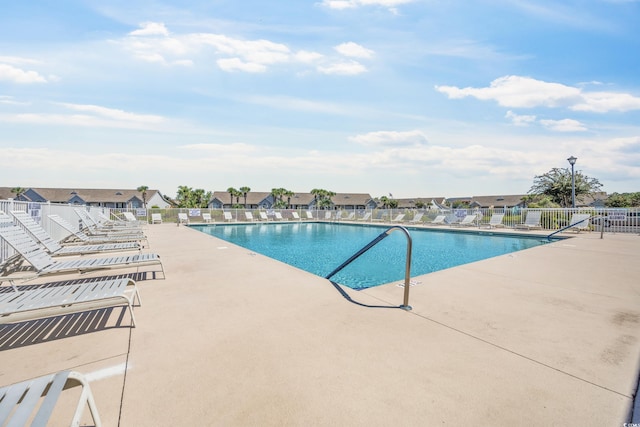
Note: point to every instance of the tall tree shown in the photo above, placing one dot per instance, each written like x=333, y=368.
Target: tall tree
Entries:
x=244, y=191
x=232, y=193
x=18, y=191
x=143, y=189
x=184, y=196
x=557, y=185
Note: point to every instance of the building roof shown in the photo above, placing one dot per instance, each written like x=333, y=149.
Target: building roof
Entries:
x=411, y=203
x=356, y=199
x=498, y=201
x=89, y=195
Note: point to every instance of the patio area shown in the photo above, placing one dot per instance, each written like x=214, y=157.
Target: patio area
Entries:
x=547, y=336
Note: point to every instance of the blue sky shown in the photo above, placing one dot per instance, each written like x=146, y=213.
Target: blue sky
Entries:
x=418, y=98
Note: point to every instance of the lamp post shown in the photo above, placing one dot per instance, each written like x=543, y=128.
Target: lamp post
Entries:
x=572, y=161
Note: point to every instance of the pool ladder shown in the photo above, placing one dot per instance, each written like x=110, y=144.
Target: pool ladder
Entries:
x=407, y=273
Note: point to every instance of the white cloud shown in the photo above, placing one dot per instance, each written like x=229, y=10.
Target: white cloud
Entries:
x=114, y=114
x=18, y=75
x=520, y=120
x=526, y=92
x=351, y=4
x=343, y=68
x=390, y=138
x=150, y=29
x=565, y=125
x=237, y=64
x=354, y=50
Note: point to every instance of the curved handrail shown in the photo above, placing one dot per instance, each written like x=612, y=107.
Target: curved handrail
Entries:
x=407, y=275
x=573, y=225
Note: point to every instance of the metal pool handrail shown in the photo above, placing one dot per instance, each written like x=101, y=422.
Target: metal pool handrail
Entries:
x=407, y=274
x=573, y=225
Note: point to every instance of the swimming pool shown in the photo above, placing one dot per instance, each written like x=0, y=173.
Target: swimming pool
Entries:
x=321, y=247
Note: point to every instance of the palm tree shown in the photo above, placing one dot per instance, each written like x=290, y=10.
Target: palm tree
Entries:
x=385, y=201
x=232, y=193
x=143, y=189
x=184, y=196
x=244, y=191
x=289, y=195
x=18, y=191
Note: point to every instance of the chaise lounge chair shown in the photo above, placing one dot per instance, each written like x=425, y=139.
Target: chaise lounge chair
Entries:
x=417, y=218
x=494, y=222
x=365, y=217
x=32, y=402
x=94, y=228
x=295, y=216
x=579, y=222
x=279, y=217
x=44, y=264
x=56, y=249
x=263, y=216
x=438, y=220
x=78, y=236
x=249, y=216
x=206, y=217
x=467, y=221
x=228, y=217
x=18, y=303
x=156, y=218
x=532, y=221
x=309, y=214
x=183, y=218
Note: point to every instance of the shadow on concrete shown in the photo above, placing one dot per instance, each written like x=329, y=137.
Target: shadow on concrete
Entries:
x=21, y=334
x=351, y=300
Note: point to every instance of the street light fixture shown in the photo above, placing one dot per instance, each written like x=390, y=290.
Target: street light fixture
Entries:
x=572, y=161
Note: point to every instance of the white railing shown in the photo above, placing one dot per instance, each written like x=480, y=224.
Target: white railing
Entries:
x=616, y=220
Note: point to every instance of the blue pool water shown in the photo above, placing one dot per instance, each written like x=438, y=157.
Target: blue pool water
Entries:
x=321, y=247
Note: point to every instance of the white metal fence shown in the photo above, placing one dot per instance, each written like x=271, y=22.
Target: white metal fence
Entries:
x=613, y=220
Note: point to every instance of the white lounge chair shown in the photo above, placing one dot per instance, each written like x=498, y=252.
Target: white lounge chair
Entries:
x=206, y=217
x=56, y=249
x=327, y=215
x=467, y=221
x=32, y=402
x=309, y=214
x=249, y=216
x=156, y=218
x=398, y=218
x=365, y=217
x=18, y=303
x=94, y=228
x=494, y=222
x=228, y=217
x=263, y=216
x=417, y=218
x=79, y=236
x=44, y=264
x=183, y=218
x=350, y=217
x=278, y=216
x=295, y=216
x=532, y=221
x=579, y=222
x=438, y=220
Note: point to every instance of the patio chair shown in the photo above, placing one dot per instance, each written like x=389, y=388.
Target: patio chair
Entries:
x=350, y=217
x=295, y=216
x=156, y=218
x=32, y=402
x=467, y=221
x=398, y=218
x=56, y=249
x=279, y=217
x=18, y=303
x=44, y=264
x=494, y=222
x=327, y=215
x=183, y=218
x=76, y=236
x=263, y=216
x=417, y=218
x=94, y=228
x=438, y=220
x=365, y=217
x=228, y=217
x=249, y=216
x=579, y=222
x=532, y=221
x=206, y=217
x=309, y=214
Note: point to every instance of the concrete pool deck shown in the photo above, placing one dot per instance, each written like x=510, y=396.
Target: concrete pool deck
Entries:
x=546, y=336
